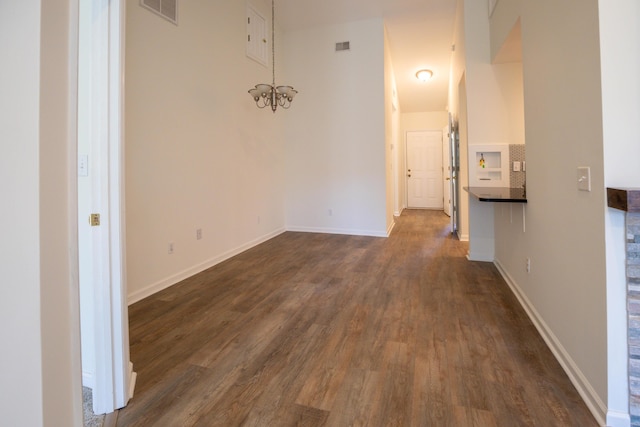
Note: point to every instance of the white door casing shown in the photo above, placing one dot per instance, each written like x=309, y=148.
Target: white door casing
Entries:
x=424, y=169
x=113, y=378
x=446, y=171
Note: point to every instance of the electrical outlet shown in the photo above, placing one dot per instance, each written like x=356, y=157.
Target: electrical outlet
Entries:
x=528, y=266
x=170, y=248
x=199, y=234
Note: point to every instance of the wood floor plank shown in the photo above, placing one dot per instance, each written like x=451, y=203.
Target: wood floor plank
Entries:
x=314, y=329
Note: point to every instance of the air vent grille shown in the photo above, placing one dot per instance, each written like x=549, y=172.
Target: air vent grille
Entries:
x=168, y=9
x=340, y=46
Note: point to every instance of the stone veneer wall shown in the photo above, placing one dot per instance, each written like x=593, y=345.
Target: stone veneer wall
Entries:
x=633, y=308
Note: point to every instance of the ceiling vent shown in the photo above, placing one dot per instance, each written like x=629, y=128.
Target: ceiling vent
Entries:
x=342, y=46
x=168, y=9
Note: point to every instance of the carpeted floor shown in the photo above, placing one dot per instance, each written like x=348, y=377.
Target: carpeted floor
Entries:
x=90, y=419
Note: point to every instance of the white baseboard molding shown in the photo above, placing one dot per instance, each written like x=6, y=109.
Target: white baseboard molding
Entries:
x=88, y=379
x=480, y=256
x=462, y=237
x=391, y=227
x=618, y=419
x=580, y=382
x=178, y=277
x=349, y=232
x=133, y=376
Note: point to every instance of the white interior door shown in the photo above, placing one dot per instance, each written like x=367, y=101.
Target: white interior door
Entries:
x=424, y=170
x=446, y=171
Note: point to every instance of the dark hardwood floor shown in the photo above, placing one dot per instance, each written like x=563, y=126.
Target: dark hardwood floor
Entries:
x=314, y=329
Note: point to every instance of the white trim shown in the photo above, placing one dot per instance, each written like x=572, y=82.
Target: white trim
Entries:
x=580, y=382
x=112, y=378
x=88, y=379
x=133, y=376
x=391, y=227
x=462, y=237
x=618, y=394
x=345, y=231
x=618, y=419
x=184, y=274
x=480, y=256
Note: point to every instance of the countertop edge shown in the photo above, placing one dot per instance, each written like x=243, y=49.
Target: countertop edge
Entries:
x=480, y=193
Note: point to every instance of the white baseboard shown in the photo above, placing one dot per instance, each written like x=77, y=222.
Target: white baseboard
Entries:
x=133, y=376
x=580, y=382
x=462, y=237
x=618, y=419
x=480, y=256
x=88, y=379
x=178, y=277
x=348, y=232
x=391, y=227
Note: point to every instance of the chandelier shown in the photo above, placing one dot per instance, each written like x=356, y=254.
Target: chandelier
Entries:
x=272, y=95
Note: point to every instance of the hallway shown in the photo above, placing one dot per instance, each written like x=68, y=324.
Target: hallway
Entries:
x=336, y=330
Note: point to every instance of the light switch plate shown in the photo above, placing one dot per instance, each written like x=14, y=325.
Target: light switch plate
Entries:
x=516, y=166
x=584, y=178
x=83, y=165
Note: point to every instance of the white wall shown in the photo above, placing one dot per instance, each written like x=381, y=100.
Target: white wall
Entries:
x=391, y=131
x=564, y=238
x=199, y=153
x=38, y=304
x=458, y=108
x=433, y=120
x=336, y=161
x=502, y=22
x=509, y=80
x=620, y=61
x=19, y=247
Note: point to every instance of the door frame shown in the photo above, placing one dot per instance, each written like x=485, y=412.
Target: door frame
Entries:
x=113, y=379
x=406, y=163
x=446, y=171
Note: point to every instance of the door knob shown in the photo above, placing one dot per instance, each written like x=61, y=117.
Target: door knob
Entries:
x=448, y=179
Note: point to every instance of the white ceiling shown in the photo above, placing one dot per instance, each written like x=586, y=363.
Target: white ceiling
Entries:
x=420, y=35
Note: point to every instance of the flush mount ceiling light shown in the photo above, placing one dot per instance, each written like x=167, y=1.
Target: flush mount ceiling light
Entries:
x=272, y=95
x=424, y=75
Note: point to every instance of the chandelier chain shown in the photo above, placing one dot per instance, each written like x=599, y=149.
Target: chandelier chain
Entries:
x=273, y=41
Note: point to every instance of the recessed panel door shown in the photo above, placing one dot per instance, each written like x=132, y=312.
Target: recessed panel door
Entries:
x=424, y=170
